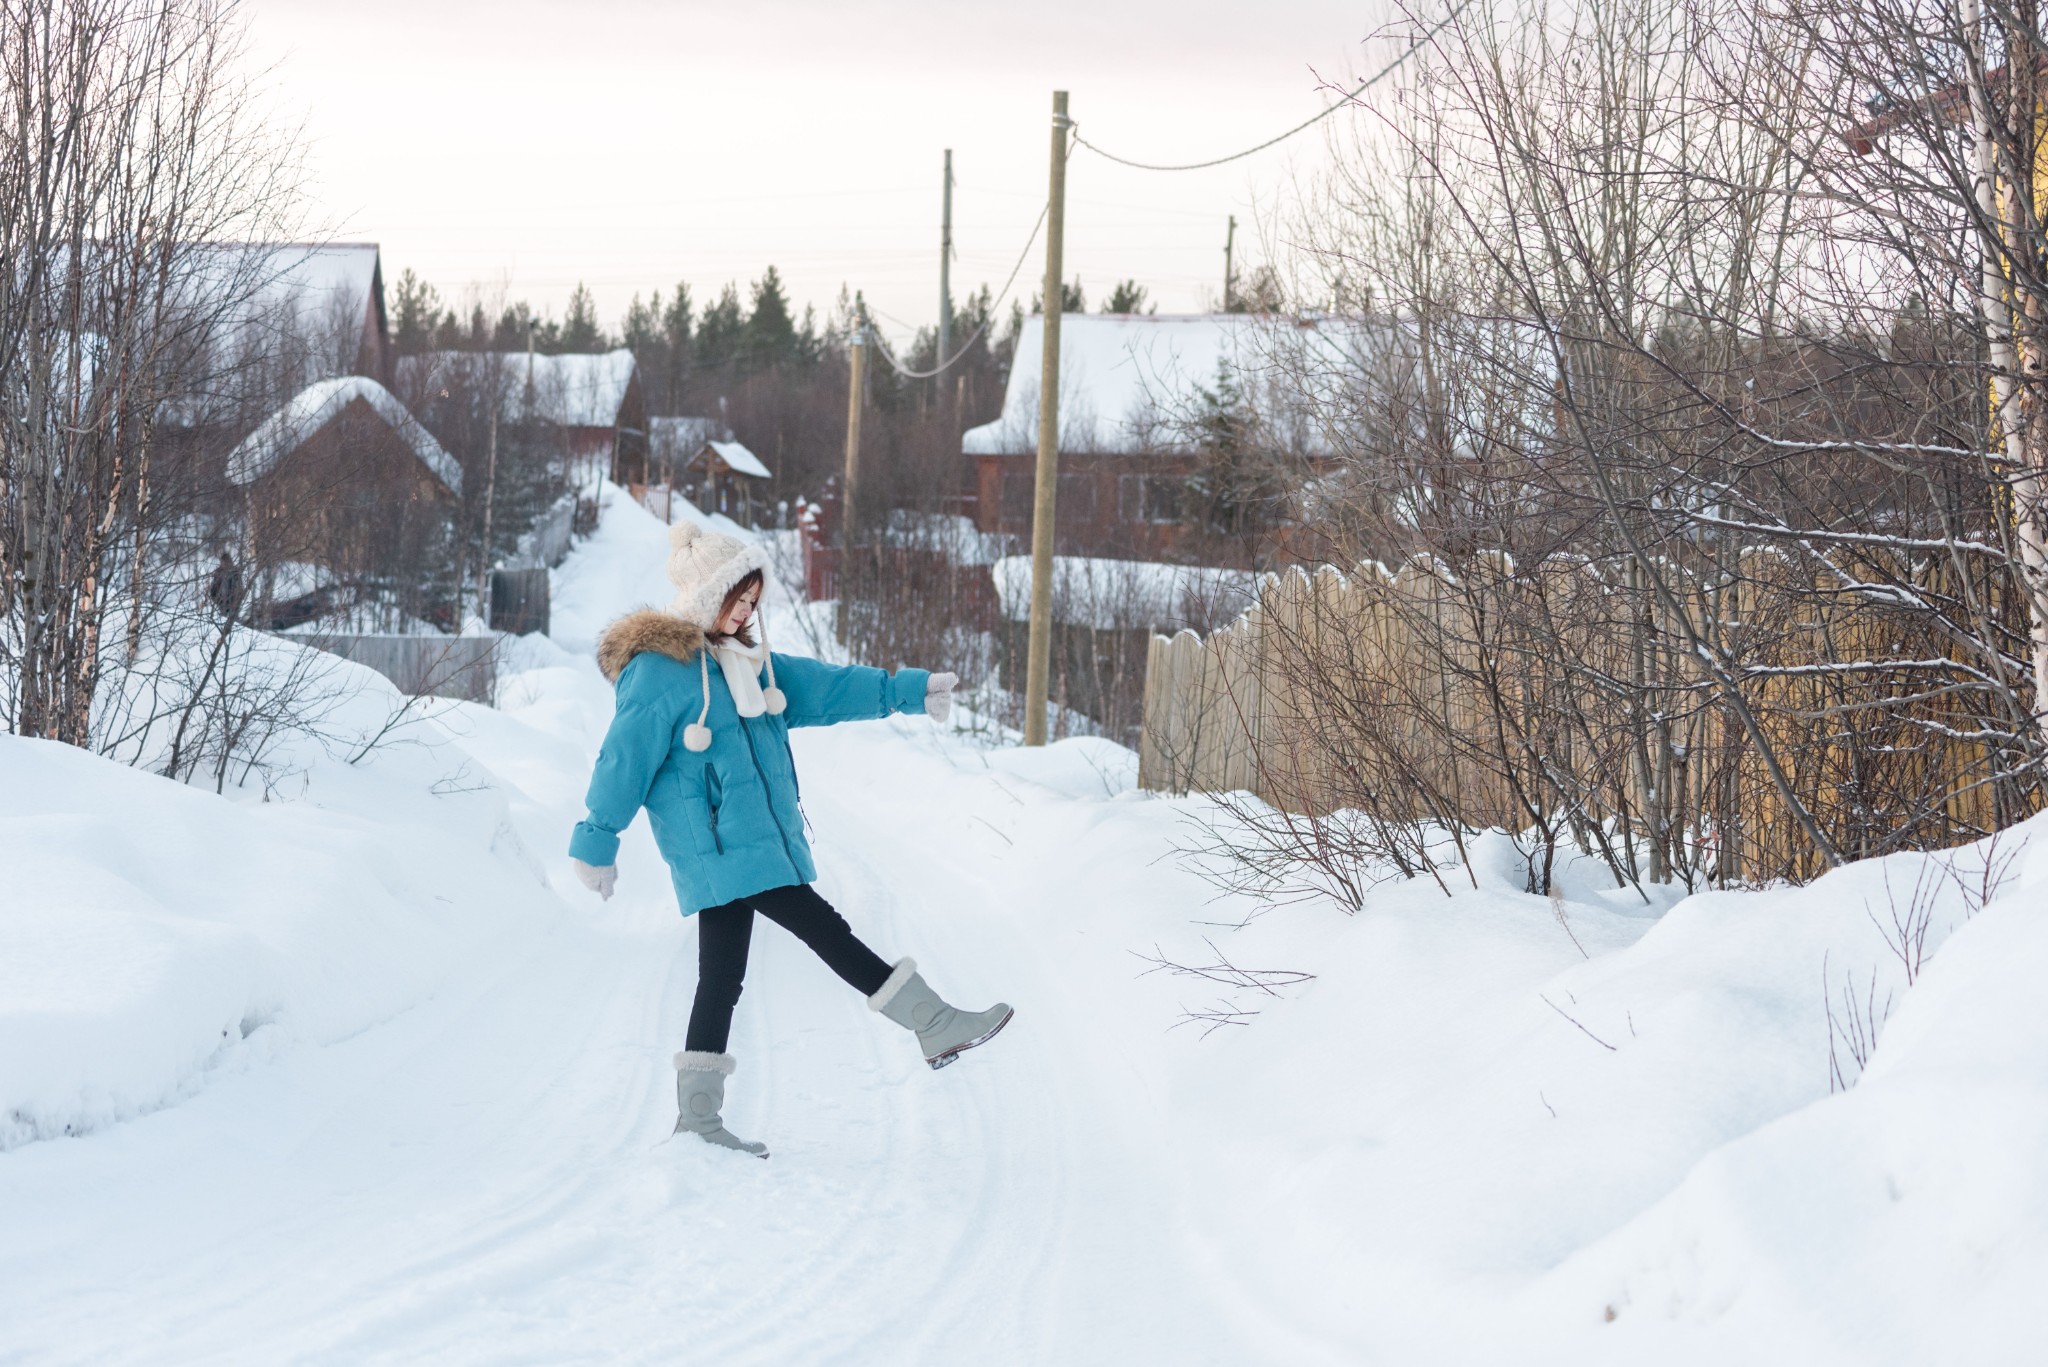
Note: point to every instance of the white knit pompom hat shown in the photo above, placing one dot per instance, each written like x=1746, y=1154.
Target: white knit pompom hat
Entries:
x=704, y=566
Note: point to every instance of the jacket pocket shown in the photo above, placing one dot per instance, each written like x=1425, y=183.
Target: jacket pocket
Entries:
x=713, y=795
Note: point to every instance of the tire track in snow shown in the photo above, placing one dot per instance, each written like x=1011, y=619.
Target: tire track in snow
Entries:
x=1068, y=1270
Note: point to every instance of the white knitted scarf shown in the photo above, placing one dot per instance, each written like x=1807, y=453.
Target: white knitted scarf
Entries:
x=742, y=665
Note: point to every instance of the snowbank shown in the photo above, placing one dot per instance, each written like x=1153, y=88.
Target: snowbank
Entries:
x=1904, y=1220
x=155, y=934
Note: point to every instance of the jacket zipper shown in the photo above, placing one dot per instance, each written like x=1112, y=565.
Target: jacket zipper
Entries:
x=711, y=787
x=798, y=784
x=788, y=850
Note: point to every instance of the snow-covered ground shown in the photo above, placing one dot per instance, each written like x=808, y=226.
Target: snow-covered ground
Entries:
x=360, y=1074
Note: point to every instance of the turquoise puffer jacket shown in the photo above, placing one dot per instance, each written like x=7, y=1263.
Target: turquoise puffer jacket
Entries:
x=725, y=818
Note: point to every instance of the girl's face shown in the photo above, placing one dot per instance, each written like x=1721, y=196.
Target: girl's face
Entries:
x=741, y=612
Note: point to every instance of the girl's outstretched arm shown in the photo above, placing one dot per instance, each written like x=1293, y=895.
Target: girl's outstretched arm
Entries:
x=821, y=694
x=653, y=692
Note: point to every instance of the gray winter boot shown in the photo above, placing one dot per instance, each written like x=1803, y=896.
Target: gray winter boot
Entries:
x=943, y=1031
x=700, y=1095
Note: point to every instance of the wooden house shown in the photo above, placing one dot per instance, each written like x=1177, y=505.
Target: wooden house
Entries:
x=595, y=400
x=1136, y=392
x=345, y=479
x=316, y=309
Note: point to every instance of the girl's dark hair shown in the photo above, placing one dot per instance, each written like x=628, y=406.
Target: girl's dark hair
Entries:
x=745, y=635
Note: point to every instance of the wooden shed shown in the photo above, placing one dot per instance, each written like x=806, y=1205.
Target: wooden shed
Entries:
x=725, y=477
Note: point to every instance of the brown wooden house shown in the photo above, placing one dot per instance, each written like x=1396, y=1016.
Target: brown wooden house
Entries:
x=345, y=479
x=595, y=400
x=1135, y=391
x=321, y=305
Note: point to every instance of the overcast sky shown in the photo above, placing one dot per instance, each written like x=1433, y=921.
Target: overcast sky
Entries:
x=526, y=146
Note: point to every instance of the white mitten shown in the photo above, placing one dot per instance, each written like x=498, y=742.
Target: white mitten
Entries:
x=600, y=881
x=938, y=697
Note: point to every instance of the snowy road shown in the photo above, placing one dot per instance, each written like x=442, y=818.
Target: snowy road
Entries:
x=485, y=1177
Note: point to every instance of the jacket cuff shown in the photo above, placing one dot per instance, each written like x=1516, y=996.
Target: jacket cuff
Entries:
x=907, y=689
x=594, y=845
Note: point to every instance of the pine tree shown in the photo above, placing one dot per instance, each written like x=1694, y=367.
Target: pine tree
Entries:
x=770, y=336
x=641, y=330
x=580, y=331
x=416, y=312
x=719, y=330
x=1260, y=293
x=1127, y=297
x=675, y=319
x=810, y=347
x=1072, y=300
x=676, y=349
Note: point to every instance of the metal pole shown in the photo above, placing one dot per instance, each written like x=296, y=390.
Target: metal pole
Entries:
x=946, y=268
x=1038, y=664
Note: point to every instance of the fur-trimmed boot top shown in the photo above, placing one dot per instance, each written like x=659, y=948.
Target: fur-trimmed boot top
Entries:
x=944, y=1032
x=700, y=1096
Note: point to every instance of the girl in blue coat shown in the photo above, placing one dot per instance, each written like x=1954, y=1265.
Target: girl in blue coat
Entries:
x=700, y=738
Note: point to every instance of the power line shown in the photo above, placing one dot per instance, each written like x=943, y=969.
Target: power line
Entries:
x=883, y=346
x=1371, y=81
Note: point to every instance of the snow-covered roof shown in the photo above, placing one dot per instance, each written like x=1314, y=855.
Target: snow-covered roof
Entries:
x=274, y=285
x=320, y=403
x=571, y=390
x=1132, y=383
x=678, y=439
x=1126, y=595
x=739, y=459
x=952, y=534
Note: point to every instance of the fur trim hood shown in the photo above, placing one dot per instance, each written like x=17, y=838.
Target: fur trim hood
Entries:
x=649, y=629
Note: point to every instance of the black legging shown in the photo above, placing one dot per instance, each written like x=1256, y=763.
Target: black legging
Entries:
x=724, y=933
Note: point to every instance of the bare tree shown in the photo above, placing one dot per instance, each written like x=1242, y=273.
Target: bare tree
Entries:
x=130, y=145
x=1689, y=514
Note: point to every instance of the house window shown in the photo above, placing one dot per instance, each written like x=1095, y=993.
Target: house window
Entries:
x=1149, y=498
x=1076, y=498
x=1019, y=493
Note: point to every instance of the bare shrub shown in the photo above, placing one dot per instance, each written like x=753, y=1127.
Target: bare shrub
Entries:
x=1854, y=1023
x=1224, y=973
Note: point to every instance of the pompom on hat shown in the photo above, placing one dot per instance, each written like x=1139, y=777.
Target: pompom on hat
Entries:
x=705, y=566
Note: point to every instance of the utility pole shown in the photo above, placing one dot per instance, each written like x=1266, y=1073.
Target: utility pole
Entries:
x=946, y=268
x=1037, y=669
x=857, y=358
x=1229, y=241
x=483, y=588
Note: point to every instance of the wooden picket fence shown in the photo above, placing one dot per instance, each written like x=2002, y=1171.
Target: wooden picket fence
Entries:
x=1488, y=697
